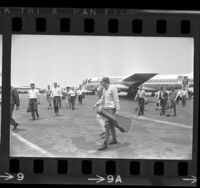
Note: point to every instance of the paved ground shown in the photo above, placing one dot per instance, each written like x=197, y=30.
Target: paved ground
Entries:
x=75, y=133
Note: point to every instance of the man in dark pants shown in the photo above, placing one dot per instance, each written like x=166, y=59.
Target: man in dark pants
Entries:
x=34, y=100
x=72, y=97
x=141, y=99
x=163, y=100
x=48, y=93
x=55, y=94
x=14, y=100
x=172, y=98
x=110, y=100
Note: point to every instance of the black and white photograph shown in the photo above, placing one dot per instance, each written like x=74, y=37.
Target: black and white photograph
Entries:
x=122, y=97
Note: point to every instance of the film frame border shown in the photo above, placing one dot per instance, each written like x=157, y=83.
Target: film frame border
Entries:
x=126, y=171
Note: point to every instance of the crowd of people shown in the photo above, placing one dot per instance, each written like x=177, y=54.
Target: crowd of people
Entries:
x=54, y=97
x=165, y=100
x=108, y=99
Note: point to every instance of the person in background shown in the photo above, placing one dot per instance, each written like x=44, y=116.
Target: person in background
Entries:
x=48, y=93
x=80, y=95
x=179, y=97
x=157, y=99
x=60, y=99
x=110, y=99
x=55, y=95
x=34, y=100
x=68, y=100
x=184, y=96
x=141, y=99
x=172, y=99
x=163, y=95
x=72, y=97
x=14, y=100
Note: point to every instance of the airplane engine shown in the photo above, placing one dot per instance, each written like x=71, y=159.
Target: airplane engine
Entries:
x=132, y=93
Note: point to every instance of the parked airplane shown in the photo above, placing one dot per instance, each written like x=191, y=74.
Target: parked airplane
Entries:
x=124, y=84
x=151, y=82
x=168, y=81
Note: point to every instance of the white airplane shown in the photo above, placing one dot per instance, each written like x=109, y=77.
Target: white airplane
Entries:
x=168, y=81
x=151, y=82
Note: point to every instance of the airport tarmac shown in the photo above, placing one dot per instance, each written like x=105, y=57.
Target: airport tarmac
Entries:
x=75, y=133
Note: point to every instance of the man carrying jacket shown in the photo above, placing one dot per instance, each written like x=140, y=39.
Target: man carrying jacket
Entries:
x=14, y=100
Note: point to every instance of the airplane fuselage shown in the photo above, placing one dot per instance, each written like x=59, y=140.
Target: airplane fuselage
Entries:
x=153, y=84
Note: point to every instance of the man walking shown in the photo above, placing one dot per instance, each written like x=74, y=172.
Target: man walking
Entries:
x=80, y=95
x=48, y=93
x=14, y=100
x=172, y=99
x=68, y=100
x=34, y=100
x=72, y=95
x=60, y=100
x=55, y=94
x=163, y=100
x=184, y=96
x=110, y=100
x=141, y=99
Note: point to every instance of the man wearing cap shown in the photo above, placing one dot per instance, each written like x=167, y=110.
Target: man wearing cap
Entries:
x=110, y=100
x=34, y=100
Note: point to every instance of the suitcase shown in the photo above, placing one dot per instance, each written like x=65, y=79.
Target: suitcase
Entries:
x=119, y=121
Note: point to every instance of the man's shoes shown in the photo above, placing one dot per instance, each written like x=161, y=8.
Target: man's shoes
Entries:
x=112, y=142
x=33, y=119
x=103, y=147
x=15, y=126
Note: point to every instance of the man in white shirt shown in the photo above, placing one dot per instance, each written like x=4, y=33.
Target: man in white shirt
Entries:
x=80, y=93
x=184, y=96
x=72, y=95
x=34, y=100
x=141, y=99
x=110, y=100
x=60, y=100
x=55, y=95
x=48, y=93
x=68, y=100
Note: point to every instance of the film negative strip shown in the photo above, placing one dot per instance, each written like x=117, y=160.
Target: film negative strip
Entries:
x=99, y=96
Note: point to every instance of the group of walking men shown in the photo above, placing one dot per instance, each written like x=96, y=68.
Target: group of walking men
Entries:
x=166, y=100
x=57, y=95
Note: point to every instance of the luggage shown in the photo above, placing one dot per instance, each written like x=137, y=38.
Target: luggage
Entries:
x=119, y=121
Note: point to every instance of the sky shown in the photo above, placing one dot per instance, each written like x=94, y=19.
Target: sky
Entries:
x=68, y=60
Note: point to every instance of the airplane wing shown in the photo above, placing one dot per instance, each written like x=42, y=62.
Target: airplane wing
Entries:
x=136, y=80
